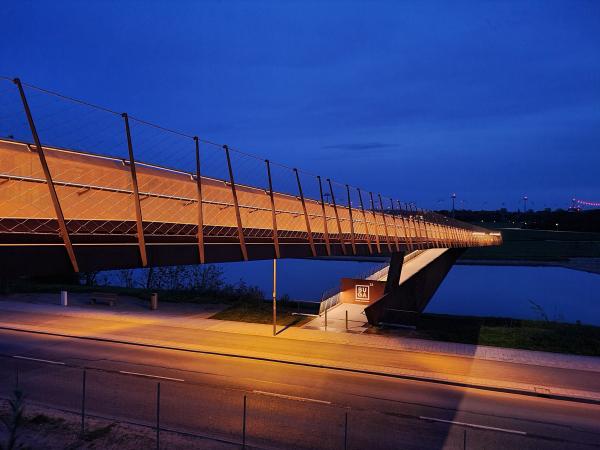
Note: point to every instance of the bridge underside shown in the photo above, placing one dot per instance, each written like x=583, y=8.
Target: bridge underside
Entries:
x=44, y=254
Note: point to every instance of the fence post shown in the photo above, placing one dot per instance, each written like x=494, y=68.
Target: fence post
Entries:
x=236, y=206
x=244, y=426
x=337, y=217
x=62, y=226
x=158, y=416
x=273, y=212
x=352, y=238
x=346, y=431
x=199, y=196
x=83, y=402
x=346, y=320
x=136, y=194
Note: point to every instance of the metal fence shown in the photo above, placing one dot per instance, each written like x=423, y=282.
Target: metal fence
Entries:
x=241, y=417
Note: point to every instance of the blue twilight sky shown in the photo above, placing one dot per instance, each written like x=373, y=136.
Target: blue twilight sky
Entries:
x=491, y=100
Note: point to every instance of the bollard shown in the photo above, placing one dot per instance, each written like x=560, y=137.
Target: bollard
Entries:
x=154, y=301
x=64, y=299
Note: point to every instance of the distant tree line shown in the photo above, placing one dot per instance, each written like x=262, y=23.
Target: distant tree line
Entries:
x=567, y=220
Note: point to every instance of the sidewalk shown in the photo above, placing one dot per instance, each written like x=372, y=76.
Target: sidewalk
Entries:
x=196, y=316
x=186, y=327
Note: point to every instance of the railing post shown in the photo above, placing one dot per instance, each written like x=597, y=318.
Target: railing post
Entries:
x=238, y=217
x=418, y=235
x=62, y=226
x=362, y=208
x=273, y=212
x=407, y=233
x=199, y=196
x=337, y=218
x=387, y=235
x=352, y=238
x=377, y=243
x=308, y=230
x=395, y=225
x=136, y=194
x=325, y=230
x=425, y=230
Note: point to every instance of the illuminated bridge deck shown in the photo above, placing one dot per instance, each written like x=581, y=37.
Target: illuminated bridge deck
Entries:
x=98, y=203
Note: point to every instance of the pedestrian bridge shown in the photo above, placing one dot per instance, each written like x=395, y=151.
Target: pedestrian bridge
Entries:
x=65, y=209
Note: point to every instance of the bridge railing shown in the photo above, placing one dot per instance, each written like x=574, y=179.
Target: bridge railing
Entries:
x=70, y=168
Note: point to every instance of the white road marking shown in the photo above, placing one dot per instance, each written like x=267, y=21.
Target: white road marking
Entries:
x=292, y=397
x=39, y=360
x=149, y=376
x=473, y=425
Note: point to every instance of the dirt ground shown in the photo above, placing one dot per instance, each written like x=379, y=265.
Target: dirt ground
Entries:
x=48, y=429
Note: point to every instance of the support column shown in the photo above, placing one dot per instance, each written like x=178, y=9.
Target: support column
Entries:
x=387, y=235
x=377, y=242
x=353, y=240
x=395, y=225
x=325, y=230
x=308, y=230
x=273, y=212
x=394, y=272
x=136, y=193
x=362, y=208
x=337, y=218
x=407, y=233
x=236, y=206
x=62, y=226
x=199, y=197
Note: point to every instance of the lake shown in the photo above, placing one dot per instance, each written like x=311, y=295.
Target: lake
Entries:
x=562, y=294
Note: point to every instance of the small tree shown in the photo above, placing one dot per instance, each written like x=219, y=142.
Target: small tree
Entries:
x=14, y=420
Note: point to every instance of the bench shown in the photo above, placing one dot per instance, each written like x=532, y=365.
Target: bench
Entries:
x=107, y=298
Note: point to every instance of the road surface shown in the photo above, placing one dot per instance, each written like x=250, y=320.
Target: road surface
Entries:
x=288, y=406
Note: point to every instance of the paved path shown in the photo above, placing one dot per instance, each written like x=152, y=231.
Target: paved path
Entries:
x=518, y=371
x=197, y=317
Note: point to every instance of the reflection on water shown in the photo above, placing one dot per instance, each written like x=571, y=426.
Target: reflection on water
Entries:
x=508, y=291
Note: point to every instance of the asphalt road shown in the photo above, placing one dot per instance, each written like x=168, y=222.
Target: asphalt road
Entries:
x=288, y=406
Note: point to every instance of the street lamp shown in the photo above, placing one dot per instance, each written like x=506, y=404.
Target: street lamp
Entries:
x=525, y=203
x=453, y=197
